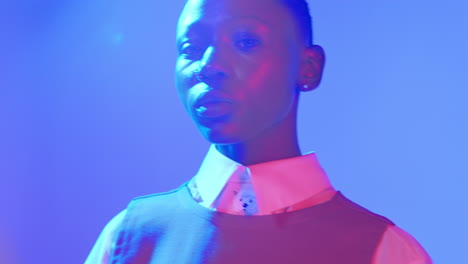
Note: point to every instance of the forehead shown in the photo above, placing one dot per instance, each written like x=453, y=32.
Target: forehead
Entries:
x=218, y=12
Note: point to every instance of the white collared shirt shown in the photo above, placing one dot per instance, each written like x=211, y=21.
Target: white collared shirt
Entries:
x=278, y=185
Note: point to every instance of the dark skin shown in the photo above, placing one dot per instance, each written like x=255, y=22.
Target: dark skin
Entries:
x=251, y=58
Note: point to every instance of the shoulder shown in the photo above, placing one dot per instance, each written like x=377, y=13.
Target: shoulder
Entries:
x=156, y=201
x=159, y=195
x=104, y=244
x=361, y=211
x=115, y=223
x=149, y=210
x=139, y=211
x=395, y=245
x=398, y=246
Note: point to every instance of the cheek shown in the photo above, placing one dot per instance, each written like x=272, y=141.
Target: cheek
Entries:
x=276, y=66
x=268, y=88
x=271, y=78
x=184, y=78
x=183, y=71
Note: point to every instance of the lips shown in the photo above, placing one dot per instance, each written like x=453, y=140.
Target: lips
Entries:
x=213, y=105
x=210, y=97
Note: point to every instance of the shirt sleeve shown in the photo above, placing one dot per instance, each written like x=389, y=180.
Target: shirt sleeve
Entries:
x=397, y=246
x=104, y=244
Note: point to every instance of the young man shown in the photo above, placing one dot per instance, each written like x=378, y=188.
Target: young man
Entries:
x=242, y=65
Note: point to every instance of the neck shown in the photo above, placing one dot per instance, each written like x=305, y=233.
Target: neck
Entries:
x=249, y=154
x=278, y=142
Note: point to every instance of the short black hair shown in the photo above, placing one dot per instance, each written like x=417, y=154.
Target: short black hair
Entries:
x=300, y=11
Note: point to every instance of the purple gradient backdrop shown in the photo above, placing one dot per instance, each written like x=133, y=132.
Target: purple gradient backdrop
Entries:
x=89, y=117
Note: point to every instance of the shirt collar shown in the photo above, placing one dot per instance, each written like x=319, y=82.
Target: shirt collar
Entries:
x=277, y=183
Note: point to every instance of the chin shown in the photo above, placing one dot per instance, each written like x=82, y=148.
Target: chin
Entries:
x=221, y=137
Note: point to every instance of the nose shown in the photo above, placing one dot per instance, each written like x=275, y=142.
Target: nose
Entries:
x=211, y=69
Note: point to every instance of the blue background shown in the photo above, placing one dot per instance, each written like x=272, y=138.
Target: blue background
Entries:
x=89, y=117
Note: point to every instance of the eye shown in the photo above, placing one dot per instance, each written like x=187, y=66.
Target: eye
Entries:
x=190, y=51
x=248, y=43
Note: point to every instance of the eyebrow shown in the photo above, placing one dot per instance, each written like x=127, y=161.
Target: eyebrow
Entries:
x=258, y=20
x=196, y=26
x=200, y=26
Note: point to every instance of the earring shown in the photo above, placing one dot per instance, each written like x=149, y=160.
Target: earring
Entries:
x=305, y=87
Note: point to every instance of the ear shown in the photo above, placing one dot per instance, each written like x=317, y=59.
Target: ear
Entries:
x=311, y=69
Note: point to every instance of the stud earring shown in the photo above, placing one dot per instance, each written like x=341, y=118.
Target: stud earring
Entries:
x=305, y=87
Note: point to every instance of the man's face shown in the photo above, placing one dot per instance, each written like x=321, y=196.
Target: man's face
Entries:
x=237, y=67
